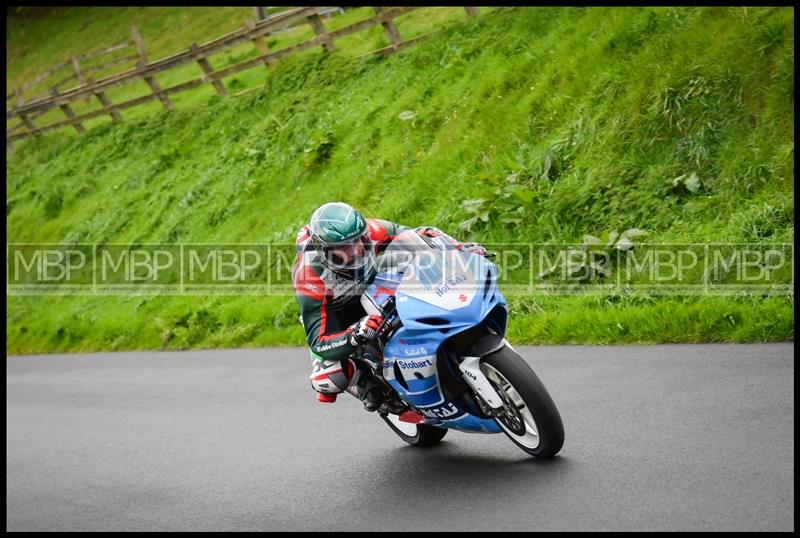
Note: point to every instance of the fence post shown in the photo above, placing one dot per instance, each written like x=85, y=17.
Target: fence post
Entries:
x=79, y=73
x=260, y=44
x=101, y=95
x=24, y=117
x=471, y=11
x=27, y=121
x=260, y=12
x=142, y=63
x=319, y=28
x=137, y=39
x=391, y=29
x=65, y=108
x=209, y=71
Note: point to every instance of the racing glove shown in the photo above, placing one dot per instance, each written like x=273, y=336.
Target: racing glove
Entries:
x=364, y=330
x=474, y=248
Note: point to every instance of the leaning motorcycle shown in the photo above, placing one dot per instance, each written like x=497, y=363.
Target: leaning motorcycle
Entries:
x=441, y=353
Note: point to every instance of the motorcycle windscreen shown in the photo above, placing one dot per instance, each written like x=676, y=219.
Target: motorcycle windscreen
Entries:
x=442, y=277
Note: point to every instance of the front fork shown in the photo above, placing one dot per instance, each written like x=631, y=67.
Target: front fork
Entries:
x=490, y=402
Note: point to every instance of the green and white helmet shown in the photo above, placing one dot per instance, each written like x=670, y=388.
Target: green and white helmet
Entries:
x=340, y=236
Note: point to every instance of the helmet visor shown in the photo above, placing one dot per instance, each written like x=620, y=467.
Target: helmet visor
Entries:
x=348, y=255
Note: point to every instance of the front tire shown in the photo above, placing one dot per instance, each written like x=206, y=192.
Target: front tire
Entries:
x=415, y=434
x=536, y=425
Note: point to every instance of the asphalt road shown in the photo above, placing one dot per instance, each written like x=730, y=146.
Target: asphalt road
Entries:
x=673, y=437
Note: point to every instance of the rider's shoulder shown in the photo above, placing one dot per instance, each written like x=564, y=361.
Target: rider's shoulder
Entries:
x=378, y=228
x=303, y=234
x=307, y=277
x=382, y=230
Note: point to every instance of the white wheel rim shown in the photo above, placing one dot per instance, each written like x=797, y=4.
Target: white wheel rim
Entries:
x=406, y=428
x=530, y=439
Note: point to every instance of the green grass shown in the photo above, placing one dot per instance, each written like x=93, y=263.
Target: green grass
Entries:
x=33, y=48
x=592, y=111
x=35, y=43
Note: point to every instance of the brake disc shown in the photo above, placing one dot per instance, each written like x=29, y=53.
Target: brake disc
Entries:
x=511, y=416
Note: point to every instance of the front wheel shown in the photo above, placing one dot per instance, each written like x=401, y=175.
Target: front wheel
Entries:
x=531, y=419
x=415, y=434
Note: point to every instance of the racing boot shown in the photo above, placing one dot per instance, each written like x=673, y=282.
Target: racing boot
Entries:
x=368, y=390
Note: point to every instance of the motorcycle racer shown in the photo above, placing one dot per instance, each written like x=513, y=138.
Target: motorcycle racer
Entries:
x=335, y=263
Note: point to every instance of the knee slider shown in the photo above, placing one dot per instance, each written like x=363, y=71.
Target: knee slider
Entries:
x=332, y=377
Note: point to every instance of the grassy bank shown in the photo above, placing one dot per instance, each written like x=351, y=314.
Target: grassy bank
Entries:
x=550, y=123
x=36, y=43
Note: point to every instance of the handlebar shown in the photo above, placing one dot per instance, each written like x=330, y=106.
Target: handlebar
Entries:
x=391, y=321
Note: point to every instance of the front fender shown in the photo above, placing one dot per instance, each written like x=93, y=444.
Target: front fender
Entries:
x=470, y=367
x=485, y=344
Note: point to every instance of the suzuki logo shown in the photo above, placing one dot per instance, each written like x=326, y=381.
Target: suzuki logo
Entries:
x=462, y=298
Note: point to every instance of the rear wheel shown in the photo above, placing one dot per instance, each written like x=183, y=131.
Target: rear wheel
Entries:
x=415, y=434
x=531, y=419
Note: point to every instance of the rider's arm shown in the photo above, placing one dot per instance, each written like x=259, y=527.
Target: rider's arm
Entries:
x=326, y=339
x=383, y=231
x=430, y=231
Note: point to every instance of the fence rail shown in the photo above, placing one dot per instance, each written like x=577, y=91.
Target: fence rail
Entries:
x=74, y=61
x=253, y=31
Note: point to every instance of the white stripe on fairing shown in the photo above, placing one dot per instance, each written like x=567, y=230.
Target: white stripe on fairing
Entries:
x=440, y=402
x=465, y=415
x=423, y=391
x=432, y=368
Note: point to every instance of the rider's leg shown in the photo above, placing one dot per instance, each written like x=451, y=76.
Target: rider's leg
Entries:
x=367, y=388
x=330, y=378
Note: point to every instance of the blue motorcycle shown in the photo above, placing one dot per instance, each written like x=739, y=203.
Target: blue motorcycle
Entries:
x=441, y=353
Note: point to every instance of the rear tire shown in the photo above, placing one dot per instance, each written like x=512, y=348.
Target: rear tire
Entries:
x=415, y=434
x=537, y=403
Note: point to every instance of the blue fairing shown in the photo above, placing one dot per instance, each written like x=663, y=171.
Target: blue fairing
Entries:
x=413, y=349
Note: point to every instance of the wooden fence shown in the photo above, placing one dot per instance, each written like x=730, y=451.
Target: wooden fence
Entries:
x=253, y=31
x=77, y=73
